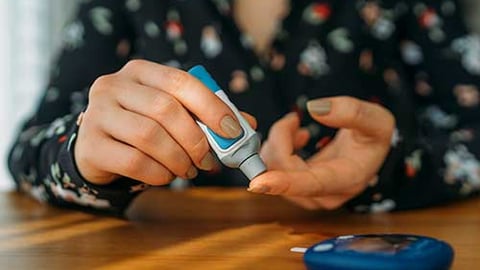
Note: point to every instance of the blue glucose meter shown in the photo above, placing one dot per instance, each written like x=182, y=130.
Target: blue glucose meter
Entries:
x=379, y=251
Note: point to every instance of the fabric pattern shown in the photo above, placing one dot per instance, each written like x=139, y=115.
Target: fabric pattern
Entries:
x=419, y=59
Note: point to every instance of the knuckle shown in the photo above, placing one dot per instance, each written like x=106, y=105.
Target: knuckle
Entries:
x=349, y=102
x=184, y=163
x=133, y=163
x=164, y=105
x=359, y=110
x=101, y=85
x=134, y=64
x=199, y=148
x=145, y=132
x=177, y=79
x=88, y=118
x=93, y=125
x=103, y=81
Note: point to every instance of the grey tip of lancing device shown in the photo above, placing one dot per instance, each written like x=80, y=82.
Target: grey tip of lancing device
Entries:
x=253, y=166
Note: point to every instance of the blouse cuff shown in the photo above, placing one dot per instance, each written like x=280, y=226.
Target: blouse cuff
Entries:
x=112, y=198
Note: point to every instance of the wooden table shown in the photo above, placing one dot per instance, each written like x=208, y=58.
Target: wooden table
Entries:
x=209, y=228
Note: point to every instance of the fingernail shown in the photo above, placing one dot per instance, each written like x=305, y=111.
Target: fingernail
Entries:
x=319, y=106
x=192, y=172
x=208, y=162
x=261, y=189
x=231, y=127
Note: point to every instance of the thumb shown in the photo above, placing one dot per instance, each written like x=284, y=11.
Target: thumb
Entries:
x=370, y=119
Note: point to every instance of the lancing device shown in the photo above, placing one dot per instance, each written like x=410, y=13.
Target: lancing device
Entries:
x=240, y=152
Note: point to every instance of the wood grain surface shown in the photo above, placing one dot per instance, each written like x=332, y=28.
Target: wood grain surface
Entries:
x=208, y=228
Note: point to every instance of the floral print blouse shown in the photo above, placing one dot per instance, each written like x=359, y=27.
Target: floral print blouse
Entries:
x=420, y=59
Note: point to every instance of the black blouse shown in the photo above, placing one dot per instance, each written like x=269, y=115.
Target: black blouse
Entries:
x=416, y=58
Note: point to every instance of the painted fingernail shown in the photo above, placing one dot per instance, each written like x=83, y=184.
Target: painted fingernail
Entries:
x=192, y=172
x=208, y=162
x=231, y=127
x=319, y=106
x=259, y=189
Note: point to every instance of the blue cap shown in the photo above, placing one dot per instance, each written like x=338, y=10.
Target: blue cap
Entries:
x=202, y=74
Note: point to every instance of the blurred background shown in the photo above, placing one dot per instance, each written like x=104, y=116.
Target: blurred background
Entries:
x=31, y=32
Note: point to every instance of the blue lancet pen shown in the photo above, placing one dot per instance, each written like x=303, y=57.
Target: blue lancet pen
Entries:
x=240, y=152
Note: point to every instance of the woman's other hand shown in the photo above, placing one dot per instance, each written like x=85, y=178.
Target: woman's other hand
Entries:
x=340, y=170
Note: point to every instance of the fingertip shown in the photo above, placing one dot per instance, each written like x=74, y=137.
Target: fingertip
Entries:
x=269, y=182
x=319, y=107
x=292, y=116
x=257, y=185
x=259, y=188
x=290, y=119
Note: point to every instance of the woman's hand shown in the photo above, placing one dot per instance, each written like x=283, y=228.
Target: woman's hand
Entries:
x=139, y=124
x=339, y=171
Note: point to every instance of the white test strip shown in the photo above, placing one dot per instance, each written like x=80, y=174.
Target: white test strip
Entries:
x=298, y=249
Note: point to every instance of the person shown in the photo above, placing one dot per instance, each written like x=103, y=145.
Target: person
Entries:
x=373, y=105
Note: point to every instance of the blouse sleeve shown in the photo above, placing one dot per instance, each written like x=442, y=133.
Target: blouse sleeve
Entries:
x=435, y=149
x=98, y=41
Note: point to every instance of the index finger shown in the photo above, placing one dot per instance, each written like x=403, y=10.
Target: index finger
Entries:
x=321, y=181
x=367, y=118
x=189, y=91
